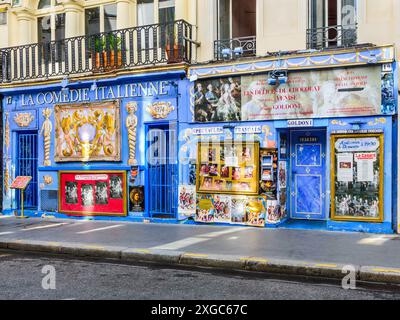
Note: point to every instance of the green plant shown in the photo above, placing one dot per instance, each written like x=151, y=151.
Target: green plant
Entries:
x=108, y=42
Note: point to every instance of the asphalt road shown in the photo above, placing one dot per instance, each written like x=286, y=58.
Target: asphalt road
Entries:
x=21, y=279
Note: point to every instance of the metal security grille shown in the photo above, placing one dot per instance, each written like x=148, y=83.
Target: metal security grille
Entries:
x=49, y=200
x=27, y=159
x=162, y=171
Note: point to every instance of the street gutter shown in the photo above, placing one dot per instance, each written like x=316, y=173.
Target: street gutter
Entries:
x=375, y=274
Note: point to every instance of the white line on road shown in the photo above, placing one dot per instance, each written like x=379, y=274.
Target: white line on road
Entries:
x=194, y=240
x=5, y=217
x=100, y=229
x=5, y=233
x=46, y=226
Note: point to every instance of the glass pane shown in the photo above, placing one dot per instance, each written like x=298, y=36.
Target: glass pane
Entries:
x=358, y=177
x=317, y=13
x=348, y=12
x=243, y=18
x=60, y=27
x=166, y=11
x=145, y=12
x=92, y=21
x=110, y=17
x=3, y=18
x=224, y=23
x=44, y=4
x=44, y=29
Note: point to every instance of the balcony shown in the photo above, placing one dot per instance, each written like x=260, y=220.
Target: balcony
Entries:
x=148, y=45
x=230, y=49
x=332, y=36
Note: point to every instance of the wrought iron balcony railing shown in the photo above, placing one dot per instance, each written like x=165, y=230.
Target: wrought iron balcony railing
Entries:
x=236, y=47
x=116, y=50
x=332, y=36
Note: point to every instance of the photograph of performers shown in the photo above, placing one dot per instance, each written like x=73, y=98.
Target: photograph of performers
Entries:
x=87, y=195
x=116, y=189
x=101, y=193
x=218, y=100
x=71, y=193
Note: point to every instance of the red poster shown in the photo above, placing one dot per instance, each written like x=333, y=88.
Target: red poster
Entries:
x=93, y=193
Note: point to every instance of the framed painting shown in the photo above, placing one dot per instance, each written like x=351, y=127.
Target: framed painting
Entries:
x=88, y=132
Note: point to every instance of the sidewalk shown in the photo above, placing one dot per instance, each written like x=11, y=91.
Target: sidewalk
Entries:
x=302, y=252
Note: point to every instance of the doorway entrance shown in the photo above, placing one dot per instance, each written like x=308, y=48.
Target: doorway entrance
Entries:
x=162, y=170
x=308, y=174
x=27, y=161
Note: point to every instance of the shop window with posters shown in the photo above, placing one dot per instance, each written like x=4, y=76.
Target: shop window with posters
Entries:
x=228, y=184
x=357, y=177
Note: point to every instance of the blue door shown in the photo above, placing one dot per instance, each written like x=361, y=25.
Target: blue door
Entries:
x=27, y=160
x=162, y=171
x=308, y=158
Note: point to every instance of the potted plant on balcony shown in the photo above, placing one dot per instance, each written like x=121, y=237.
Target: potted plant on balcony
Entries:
x=172, y=49
x=108, y=48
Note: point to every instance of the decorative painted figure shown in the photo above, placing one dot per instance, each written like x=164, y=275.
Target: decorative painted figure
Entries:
x=46, y=131
x=131, y=125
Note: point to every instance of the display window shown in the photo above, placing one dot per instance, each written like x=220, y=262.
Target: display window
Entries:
x=357, y=177
x=93, y=193
x=228, y=168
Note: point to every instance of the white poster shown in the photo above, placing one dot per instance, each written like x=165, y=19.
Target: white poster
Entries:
x=345, y=167
x=365, y=166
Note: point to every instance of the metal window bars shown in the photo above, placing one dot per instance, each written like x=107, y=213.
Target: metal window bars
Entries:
x=236, y=47
x=332, y=36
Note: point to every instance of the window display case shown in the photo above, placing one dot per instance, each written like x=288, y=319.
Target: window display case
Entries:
x=228, y=168
x=357, y=177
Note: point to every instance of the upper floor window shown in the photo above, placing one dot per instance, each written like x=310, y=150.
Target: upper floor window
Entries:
x=3, y=18
x=51, y=28
x=332, y=23
x=155, y=11
x=236, y=18
x=43, y=4
x=101, y=19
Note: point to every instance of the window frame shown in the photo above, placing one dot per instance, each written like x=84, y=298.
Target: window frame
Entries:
x=101, y=16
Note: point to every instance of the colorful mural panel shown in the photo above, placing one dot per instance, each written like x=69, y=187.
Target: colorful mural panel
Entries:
x=88, y=132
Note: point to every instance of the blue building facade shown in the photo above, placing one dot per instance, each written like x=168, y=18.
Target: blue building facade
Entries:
x=301, y=140
x=304, y=140
x=84, y=143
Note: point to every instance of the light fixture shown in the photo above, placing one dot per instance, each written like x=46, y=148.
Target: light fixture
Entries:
x=373, y=59
x=238, y=51
x=277, y=77
x=226, y=53
x=64, y=84
x=93, y=87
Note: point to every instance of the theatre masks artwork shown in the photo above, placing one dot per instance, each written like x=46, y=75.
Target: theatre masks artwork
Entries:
x=88, y=132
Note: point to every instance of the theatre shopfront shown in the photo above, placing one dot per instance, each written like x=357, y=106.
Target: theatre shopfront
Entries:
x=84, y=143
x=311, y=150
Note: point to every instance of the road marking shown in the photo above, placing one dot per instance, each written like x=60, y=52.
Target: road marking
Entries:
x=5, y=217
x=44, y=227
x=376, y=240
x=386, y=270
x=196, y=255
x=5, y=233
x=254, y=259
x=186, y=242
x=325, y=265
x=141, y=250
x=100, y=229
